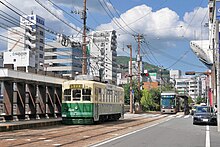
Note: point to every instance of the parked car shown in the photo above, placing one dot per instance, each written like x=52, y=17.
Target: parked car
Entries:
x=204, y=115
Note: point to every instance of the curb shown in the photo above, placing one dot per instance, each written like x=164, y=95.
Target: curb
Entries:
x=27, y=125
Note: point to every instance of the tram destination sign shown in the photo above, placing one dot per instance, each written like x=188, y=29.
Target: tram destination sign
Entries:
x=75, y=86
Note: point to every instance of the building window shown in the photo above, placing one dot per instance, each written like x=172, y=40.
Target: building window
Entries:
x=41, y=33
x=41, y=56
x=14, y=60
x=41, y=48
x=41, y=40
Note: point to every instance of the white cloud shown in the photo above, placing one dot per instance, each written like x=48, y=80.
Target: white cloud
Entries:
x=162, y=27
x=193, y=22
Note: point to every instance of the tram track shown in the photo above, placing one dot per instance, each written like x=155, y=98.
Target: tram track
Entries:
x=67, y=133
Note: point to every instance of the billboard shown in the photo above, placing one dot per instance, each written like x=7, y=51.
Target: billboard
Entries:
x=218, y=10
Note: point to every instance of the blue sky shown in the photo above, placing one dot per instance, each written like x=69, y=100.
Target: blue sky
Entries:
x=167, y=25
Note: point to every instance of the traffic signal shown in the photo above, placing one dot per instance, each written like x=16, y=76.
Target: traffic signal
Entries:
x=190, y=73
x=145, y=74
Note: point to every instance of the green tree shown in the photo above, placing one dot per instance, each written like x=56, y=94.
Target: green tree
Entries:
x=155, y=94
x=147, y=101
x=127, y=91
x=200, y=100
x=190, y=100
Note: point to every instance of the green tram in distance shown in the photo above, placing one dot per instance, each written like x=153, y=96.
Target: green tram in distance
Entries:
x=169, y=102
x=87, y=102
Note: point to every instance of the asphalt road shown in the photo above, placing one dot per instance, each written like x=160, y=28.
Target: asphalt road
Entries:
x=178, y=131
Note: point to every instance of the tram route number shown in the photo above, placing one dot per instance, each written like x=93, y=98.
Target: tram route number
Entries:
x=75, y=86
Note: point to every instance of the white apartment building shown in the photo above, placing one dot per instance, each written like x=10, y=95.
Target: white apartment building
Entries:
x=65, y=61
x=103, y=45
x=175, y=74
x=121, y=79
x=192, y=87
x=26, y=47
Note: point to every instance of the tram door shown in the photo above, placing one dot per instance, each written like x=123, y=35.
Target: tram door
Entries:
x=96, y=103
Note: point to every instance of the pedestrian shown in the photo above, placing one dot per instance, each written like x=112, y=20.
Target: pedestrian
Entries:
x=215, y=108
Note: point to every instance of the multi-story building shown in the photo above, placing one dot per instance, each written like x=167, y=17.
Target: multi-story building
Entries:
x=103, y=55
x=122, y=78
x=192, y=87
x=27, y=48
x=65, y=61
x=175, y=74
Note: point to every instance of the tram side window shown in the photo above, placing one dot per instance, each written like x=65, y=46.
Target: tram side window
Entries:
x=110, y=96
x=96, y=94
x=76, y=95
x=67, y=95
x=116, y=97
x=86, y=94
x=103, y=94
x=100, y=94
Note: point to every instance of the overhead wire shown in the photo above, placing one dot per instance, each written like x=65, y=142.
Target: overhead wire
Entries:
x=122, y=18
x=21, y=15
x=136, y=20
x=173, y=58
x=109, y=13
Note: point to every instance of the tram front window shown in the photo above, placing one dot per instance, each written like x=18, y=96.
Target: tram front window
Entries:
x=167, y=103
x=76, y=95
x=86, y=94
x=67, y=95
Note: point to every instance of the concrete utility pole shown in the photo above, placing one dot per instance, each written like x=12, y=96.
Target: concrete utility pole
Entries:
x=140, y=37
x=217, y=73
x=84, y=63
x=130, y=75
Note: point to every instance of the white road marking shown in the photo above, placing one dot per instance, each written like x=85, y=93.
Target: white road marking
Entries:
x=41, y=138
x=155, y=115
x=104, y=142
x=179, y=116
x=171, y=116
x=47, y=140
x=57, y=144
x=10, y=139
x=187, y=116
x=207, y=137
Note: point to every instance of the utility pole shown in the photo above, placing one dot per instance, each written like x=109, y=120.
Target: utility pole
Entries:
x=140, y=37
x=130, y=75
x=84, y=63
x=217, y=73
x=161, y=78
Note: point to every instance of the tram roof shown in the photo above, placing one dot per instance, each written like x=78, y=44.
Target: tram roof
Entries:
x=168, y=93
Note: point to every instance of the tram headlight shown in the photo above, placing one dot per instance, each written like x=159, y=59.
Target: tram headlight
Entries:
x=172, y=107
x=163, y=107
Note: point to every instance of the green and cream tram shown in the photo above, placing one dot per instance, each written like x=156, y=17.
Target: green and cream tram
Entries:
x=86, y=102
